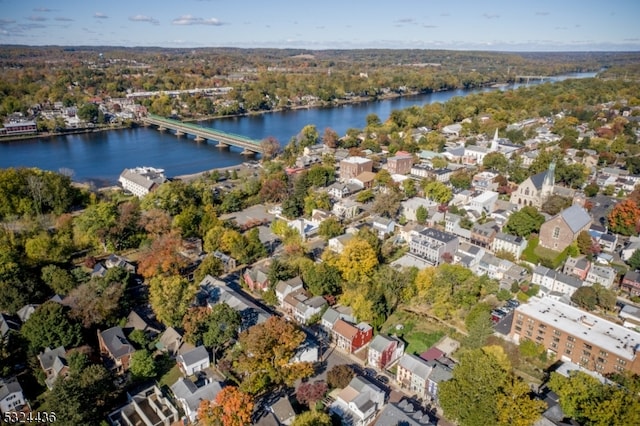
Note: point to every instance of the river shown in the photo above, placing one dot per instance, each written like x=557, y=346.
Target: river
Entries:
x=100, y=157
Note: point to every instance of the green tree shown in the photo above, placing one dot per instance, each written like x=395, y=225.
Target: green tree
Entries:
x=495, y=161
x=261, y=358
x=585, y=297
x=591, y=190
x=58, y=279
x=585, y=243
x=479, y=326
x=88, y=112
x=409, y=188
x=312, y=418
x=321, y=279
x=515, y=405
x=634, y=260
x=210, y=265
x=170, y=297
x=421, y=215
x=50, y=327
x=82, y=397
x=469, y=398
x=524, y=222
x=460, y=179
x=222, y=326
x=592, y=403
x=339, y=376
x=142, y=365
x=437, y=191
x=330, y=228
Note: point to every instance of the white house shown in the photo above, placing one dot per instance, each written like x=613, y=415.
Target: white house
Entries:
x=409, y=208
x=554, y=282
x=193, y=361
x=11, y=396
x=509, y=243
x=383, y=226
x=358, y=403
x=141, y=180
x=189, y=395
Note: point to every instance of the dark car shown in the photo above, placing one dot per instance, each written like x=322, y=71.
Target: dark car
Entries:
x=513, y=303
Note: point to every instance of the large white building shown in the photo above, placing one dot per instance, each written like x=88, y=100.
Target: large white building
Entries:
x=141, y=180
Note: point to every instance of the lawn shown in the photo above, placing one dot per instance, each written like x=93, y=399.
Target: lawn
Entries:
x=419, y=341
x=170, y=377
x=418, y=334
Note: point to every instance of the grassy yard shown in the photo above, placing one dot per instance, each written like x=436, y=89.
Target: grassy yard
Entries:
x=171, y=376
x=418, y=333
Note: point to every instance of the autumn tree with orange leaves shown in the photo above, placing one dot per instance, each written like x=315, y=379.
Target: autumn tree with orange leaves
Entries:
x=163, y=257
x=263, y=354
x=232, y=407
x=624, y=219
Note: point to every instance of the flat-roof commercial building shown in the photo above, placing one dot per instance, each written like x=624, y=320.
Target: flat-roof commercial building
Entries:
x=577, y=336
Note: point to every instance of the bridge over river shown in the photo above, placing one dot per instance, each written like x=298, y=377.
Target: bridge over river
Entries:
x=224, y=139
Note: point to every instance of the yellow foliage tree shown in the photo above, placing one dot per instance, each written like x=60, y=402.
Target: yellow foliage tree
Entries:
x=170, y=298
x=357, y=261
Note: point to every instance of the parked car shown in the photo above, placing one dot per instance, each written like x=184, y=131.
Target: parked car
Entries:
x=497, y=315
x=513, y=303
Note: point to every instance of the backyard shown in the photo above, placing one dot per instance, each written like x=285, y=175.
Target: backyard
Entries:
x=418, y=333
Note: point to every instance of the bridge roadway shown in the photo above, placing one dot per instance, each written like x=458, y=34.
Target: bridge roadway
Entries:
x=224, y=139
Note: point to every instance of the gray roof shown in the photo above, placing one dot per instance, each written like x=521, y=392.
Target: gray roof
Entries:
x=269, y=419
x=170, y=340
x=49, y=356
x=538, y=179
x=8, y=323
x=218, y=292
x=444, y=237
x=117, y=345
x=416, y=365
x=186, y=390
x=440, y=373
x=25, y=312
x=576, y=218
x=147, y=180
x=402, y=413
x=283, y=410
x=286, y=287
x=194, y=356
x=513, y=239
x=558, y=276
x=381, y=341
x=9, y=386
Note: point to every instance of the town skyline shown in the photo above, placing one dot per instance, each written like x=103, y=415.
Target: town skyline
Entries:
x=494, y=25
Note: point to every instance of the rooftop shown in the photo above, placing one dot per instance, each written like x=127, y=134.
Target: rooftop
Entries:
x=611, y=337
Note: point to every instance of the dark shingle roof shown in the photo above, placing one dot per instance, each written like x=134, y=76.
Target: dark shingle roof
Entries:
x=117, y=345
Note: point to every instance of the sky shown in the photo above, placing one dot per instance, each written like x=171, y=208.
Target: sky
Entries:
x=497, y=25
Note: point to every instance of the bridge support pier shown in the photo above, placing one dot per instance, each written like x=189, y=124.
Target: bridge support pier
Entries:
x=222, y=145
x=199, y=139
x=162, y=129
x=248, y=153
x=179, y=133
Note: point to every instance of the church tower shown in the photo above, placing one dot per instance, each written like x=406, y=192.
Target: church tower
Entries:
x=549, y=182
x=494, y=142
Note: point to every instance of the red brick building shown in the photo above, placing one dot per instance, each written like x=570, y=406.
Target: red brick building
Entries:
x=351, y=167
x=573, y=335
x=349, y=337
x=400, y=164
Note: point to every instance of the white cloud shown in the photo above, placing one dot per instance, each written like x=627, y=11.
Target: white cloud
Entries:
x=37, y=18
x=143, y=18
x=100, y=15
x=63, y=19
x=491, y=15
x=42, y=9
x=192, y=20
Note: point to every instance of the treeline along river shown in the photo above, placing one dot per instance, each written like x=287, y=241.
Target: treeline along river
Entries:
x=100, y=157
